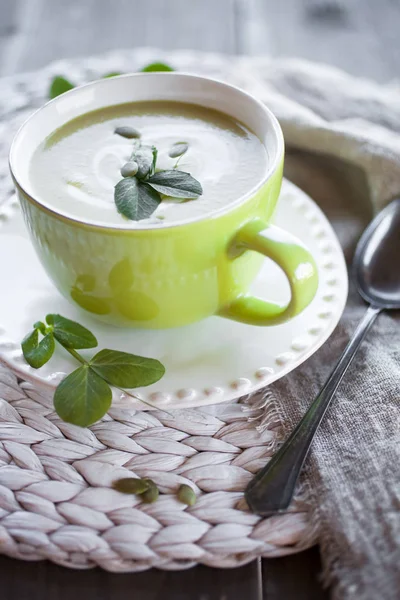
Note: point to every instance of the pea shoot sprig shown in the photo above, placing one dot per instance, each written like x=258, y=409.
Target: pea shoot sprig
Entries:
x=84, y=396
x=143, y=186
x=60, y=84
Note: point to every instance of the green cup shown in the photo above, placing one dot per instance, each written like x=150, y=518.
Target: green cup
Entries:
x=170, y=275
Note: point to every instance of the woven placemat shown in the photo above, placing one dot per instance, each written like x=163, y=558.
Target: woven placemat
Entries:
x=56, y=500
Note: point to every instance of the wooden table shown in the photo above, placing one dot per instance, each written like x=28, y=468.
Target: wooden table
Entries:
x=360, y=36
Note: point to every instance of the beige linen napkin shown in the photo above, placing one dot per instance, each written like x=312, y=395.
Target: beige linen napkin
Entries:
x=343, y=141
x=354, y=467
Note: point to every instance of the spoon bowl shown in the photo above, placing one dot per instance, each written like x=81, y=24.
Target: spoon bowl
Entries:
x=378, y=251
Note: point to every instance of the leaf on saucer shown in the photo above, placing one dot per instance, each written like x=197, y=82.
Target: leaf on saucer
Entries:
x=37, y=353
x=70, y=334
x=40, y=326
x=126, y=370
x=112, y=74
x=157, y=67
x=176, y=184
x=59, y=85
x=134, y=199
x=82, y=398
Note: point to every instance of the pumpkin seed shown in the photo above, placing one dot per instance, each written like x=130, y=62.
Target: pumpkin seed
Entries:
x=151, y=494
x=129, y=169
x=131, y=485
x=178, y=149
x=187, y=495
x=127, y=132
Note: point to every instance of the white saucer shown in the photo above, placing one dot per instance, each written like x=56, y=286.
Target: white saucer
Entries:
x=206, y=363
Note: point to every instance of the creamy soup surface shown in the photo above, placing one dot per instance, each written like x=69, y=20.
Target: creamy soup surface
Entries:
x=76, y=168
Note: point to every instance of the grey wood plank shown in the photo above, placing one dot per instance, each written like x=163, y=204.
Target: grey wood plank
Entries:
x=52, y=29
x=45, y=581
x=360, y=36
x=58, y=29
x=9, y=15
x=295, y=577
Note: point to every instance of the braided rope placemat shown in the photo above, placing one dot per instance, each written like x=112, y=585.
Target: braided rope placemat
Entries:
x=56, y=500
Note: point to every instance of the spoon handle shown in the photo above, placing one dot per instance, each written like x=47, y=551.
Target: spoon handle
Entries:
x=271, y=490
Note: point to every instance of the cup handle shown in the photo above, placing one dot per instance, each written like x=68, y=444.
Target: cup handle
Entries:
x=293, y=258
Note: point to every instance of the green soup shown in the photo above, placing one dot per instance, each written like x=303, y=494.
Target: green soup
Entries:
x=76, y=168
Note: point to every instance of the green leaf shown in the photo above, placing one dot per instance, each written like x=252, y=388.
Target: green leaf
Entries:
x=144, y=157
x=156, y=67
x=37, y=353
x=149, y=200
x=40, y=326
x=70, y=334
x=82, y=398
x=178, y=149
x=126, y=370
x=59, y=85
x=112, y=74
x=134, y=199
x=177, y=184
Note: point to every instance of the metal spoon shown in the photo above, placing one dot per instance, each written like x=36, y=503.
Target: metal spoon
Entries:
x=377, y=274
